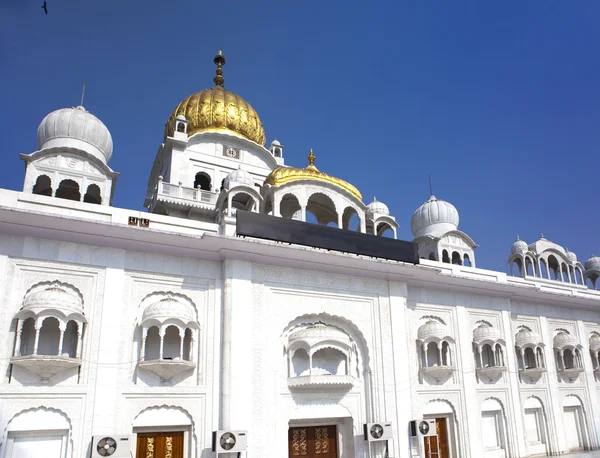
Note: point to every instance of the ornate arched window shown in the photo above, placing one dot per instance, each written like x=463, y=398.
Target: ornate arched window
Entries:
x=489, y=347
x=567, y=350
x=435, y=349
x=50, y=328
x=530, y=354
x=320, y=354
x=595, y=353
x=169, y=332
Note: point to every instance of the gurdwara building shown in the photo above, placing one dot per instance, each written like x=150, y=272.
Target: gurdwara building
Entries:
x=232, y=319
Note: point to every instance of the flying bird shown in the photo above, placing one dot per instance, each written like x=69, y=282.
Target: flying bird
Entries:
x=45, y=7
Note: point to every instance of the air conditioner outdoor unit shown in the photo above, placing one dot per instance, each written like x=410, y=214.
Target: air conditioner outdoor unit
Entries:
x=422, y=428
x=378, y=431
x=229, y=441
x=111, y=445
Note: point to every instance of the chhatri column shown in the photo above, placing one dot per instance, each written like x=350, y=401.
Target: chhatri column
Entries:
x=17, y=350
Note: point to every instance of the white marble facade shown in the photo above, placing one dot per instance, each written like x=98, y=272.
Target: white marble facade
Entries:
x=120, y=322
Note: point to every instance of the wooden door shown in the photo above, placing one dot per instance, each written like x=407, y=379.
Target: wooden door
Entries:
x=437, y=447
x=313, y=442
x=160, y=445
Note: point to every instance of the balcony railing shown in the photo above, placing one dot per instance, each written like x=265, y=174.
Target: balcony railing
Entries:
x=184, y=193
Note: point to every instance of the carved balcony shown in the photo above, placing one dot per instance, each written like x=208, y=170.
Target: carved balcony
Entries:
x=183, y=197
x=438, y=372
x=332, y=382
x=166, y=369
x=491, y=372
x=45, y=366
x=571, y=374
x=532, y=373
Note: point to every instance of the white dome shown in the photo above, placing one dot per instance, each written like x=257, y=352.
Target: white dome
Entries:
x=167, y=308
x=377, y=208
x=180, y=118
x=75, y=128
x=593, y=263
x=275, y=143
x=485, y=332
x=519, y=246
x=238, y=176
x=433, y=329
x=320, y=332
x=571, y=256
x=435, y=217
x=525, y=337
x=562, y=339
x=54, y=296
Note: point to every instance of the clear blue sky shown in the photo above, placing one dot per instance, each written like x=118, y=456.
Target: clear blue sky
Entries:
x=498, y=101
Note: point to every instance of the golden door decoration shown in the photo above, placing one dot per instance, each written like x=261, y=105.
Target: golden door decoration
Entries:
x=160, y=445
x=437, y=447
x=313, y=442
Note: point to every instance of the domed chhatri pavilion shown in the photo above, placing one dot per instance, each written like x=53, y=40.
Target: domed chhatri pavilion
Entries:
x=265, y=310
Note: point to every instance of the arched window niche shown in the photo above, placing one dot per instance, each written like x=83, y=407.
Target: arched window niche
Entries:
x=568, y=353
x=50, y=328
x=435, y=347
x=68, y=189
x=489, y=348
x=169, y=331
x=92, y=195
x=320, y=355
x=530, y=354
x=43, y=186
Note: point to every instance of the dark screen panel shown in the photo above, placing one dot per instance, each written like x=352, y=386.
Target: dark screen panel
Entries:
x=298, y=232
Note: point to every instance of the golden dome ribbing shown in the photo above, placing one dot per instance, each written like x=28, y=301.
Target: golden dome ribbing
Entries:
x=217, y=109
x=283, y=175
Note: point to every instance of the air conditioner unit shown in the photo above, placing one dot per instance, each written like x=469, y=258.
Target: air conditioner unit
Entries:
x=229, y=441
x=378, y=431
x=111, y=445
x=422, y=428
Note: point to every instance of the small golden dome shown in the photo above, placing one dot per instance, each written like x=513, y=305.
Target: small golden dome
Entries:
x=216, y=109
x=283, y=175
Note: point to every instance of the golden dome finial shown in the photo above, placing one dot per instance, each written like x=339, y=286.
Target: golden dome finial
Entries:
x=311, y=160
x=219, y=61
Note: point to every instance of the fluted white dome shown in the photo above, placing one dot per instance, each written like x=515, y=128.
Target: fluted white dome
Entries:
x=519, y=246
x=433, y=329
x=571, y=256
x=377, y=208
x=76, y=128
x=55, y=296
x=318, y=333
x=435, y=218
x=484, y=332
x=238, y=176
x=562, y=340
x=169, y=308
x=525, y=337
x=593, y=263
x=275, y=143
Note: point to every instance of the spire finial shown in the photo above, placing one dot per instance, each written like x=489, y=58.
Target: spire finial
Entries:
x=542, y=236
x=219, y=61
x=311, y=159
x=518, y=238
x=430, y=187
x=82, y=93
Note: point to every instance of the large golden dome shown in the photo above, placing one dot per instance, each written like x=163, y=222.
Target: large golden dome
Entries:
x=216, y=109
x=283, y=175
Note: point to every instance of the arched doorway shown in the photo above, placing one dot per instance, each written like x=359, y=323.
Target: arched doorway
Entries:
x=575, y=428
x=536, y=430
x=445, y=443
x=493, y=429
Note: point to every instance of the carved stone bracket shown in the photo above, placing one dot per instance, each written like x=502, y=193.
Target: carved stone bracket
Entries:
x=45, y=366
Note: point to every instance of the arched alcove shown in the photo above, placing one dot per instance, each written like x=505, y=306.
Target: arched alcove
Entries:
x=43, y=186
x=203, y=180
x=92, y=195
x=323, y=208
x=290, y=207
x=68, y=189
